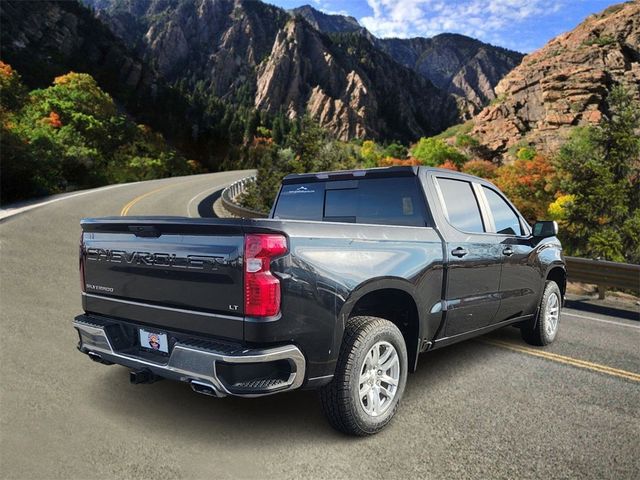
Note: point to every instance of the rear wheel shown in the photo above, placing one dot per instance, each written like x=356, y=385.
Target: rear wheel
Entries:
x=370, y=377
x=543, y=329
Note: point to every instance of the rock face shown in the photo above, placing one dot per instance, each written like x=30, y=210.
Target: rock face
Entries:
x=254, y=54
x=565, y=83
x=459, y=65
x=307, y=72
x=218, y=42
x=302, y=75
x=328, y=23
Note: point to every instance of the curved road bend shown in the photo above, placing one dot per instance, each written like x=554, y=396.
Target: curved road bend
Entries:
x=485, y=408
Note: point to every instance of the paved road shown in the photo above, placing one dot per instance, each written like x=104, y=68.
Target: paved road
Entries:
x=487, y=408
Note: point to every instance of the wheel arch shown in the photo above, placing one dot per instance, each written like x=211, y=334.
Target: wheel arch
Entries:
x=393, y=299
x=558, y=274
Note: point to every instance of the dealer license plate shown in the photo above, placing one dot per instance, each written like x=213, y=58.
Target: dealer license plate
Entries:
x=154, y=341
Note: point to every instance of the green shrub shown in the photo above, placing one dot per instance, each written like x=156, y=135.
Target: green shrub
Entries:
x=526, y=153
x=395, y=150
x=600, y=41
x=434, y=152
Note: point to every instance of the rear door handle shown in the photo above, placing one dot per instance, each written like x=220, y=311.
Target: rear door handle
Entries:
x=459, y=252
x=507, y=251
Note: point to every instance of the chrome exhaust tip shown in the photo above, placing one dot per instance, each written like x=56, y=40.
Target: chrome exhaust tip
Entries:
x=204, y=388
x=98, y=358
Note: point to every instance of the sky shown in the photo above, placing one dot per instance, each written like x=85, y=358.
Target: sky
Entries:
x=522, y=25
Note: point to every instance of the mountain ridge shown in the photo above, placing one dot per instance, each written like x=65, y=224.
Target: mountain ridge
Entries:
x=244, y=54
x=223, y=45
x=460, y=65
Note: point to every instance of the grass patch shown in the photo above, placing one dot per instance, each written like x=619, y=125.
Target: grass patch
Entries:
x=499, y=99
x=576, y=107
x=612, y=9
x=455, y=130
x=600, y=41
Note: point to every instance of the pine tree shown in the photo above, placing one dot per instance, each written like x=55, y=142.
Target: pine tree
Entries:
x=252, y=123
x=278, y=130
x=601, y=170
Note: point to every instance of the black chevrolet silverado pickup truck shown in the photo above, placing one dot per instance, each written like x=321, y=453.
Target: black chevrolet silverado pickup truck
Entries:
x=354, y=274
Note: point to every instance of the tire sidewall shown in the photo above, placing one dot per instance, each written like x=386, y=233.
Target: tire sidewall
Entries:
x=391, y=334
x=550, y=289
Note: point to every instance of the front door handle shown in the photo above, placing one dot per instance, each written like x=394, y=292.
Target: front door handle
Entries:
x=459, y=252
x=508, y=251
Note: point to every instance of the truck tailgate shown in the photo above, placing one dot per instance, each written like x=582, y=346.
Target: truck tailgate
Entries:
x=169, y=273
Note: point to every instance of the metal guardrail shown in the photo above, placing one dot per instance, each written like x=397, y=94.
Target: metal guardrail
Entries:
x=229, y=200
x=603, y=274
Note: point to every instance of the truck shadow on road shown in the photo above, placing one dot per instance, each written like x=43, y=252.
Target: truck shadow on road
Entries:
x=172, y=409
x=205, y=207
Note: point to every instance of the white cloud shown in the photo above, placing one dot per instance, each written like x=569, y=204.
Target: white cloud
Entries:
x=488, y=20
x=328, y=11
x=325, y=7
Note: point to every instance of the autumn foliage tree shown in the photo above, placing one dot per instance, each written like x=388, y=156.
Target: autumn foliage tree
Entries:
x=371, y=153
x=480, y=168
x=71, y=135
x=398, y=162
x=530, y=184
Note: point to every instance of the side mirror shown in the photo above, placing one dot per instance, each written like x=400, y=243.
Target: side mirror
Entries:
x=545, y=229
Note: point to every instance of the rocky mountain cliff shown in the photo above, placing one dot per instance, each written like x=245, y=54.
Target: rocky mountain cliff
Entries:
x=564, y=84
x=349, y=86
x=463, y=66
x=326, y=22
x=252, y=53
x=192, y=55
x=217, y=42
x=459, y=65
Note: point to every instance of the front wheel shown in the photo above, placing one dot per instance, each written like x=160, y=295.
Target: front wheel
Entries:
x=543, y=329
x=370, y=377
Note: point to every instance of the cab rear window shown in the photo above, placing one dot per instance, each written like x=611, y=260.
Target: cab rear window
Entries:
x=383, y=201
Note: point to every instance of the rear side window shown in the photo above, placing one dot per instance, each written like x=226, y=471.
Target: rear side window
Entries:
x=506, y=220
x=461, y=205
x=384, y=201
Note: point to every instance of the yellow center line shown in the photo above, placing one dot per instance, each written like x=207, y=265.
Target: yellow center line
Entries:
x=596, y=367
x=127, y=207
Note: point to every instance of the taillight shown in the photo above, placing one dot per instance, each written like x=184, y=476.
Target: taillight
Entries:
x=261, y=288
x=82, y=282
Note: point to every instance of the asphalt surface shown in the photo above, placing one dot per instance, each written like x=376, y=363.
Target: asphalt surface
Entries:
x=487, y=408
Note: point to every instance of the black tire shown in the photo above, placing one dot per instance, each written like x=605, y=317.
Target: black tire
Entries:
x=340, y=398
x=539, y=331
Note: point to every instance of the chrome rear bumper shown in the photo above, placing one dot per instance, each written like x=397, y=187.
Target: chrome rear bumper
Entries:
x=196, y=362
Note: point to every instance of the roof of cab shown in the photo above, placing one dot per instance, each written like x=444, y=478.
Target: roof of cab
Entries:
x=380, y=172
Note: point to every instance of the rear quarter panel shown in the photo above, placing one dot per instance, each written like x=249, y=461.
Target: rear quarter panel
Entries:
x=331, y=265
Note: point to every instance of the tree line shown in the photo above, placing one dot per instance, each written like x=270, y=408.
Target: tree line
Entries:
x=73, y=135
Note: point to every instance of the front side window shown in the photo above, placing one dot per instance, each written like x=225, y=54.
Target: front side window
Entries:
x=506, y=220
x=461, y=205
